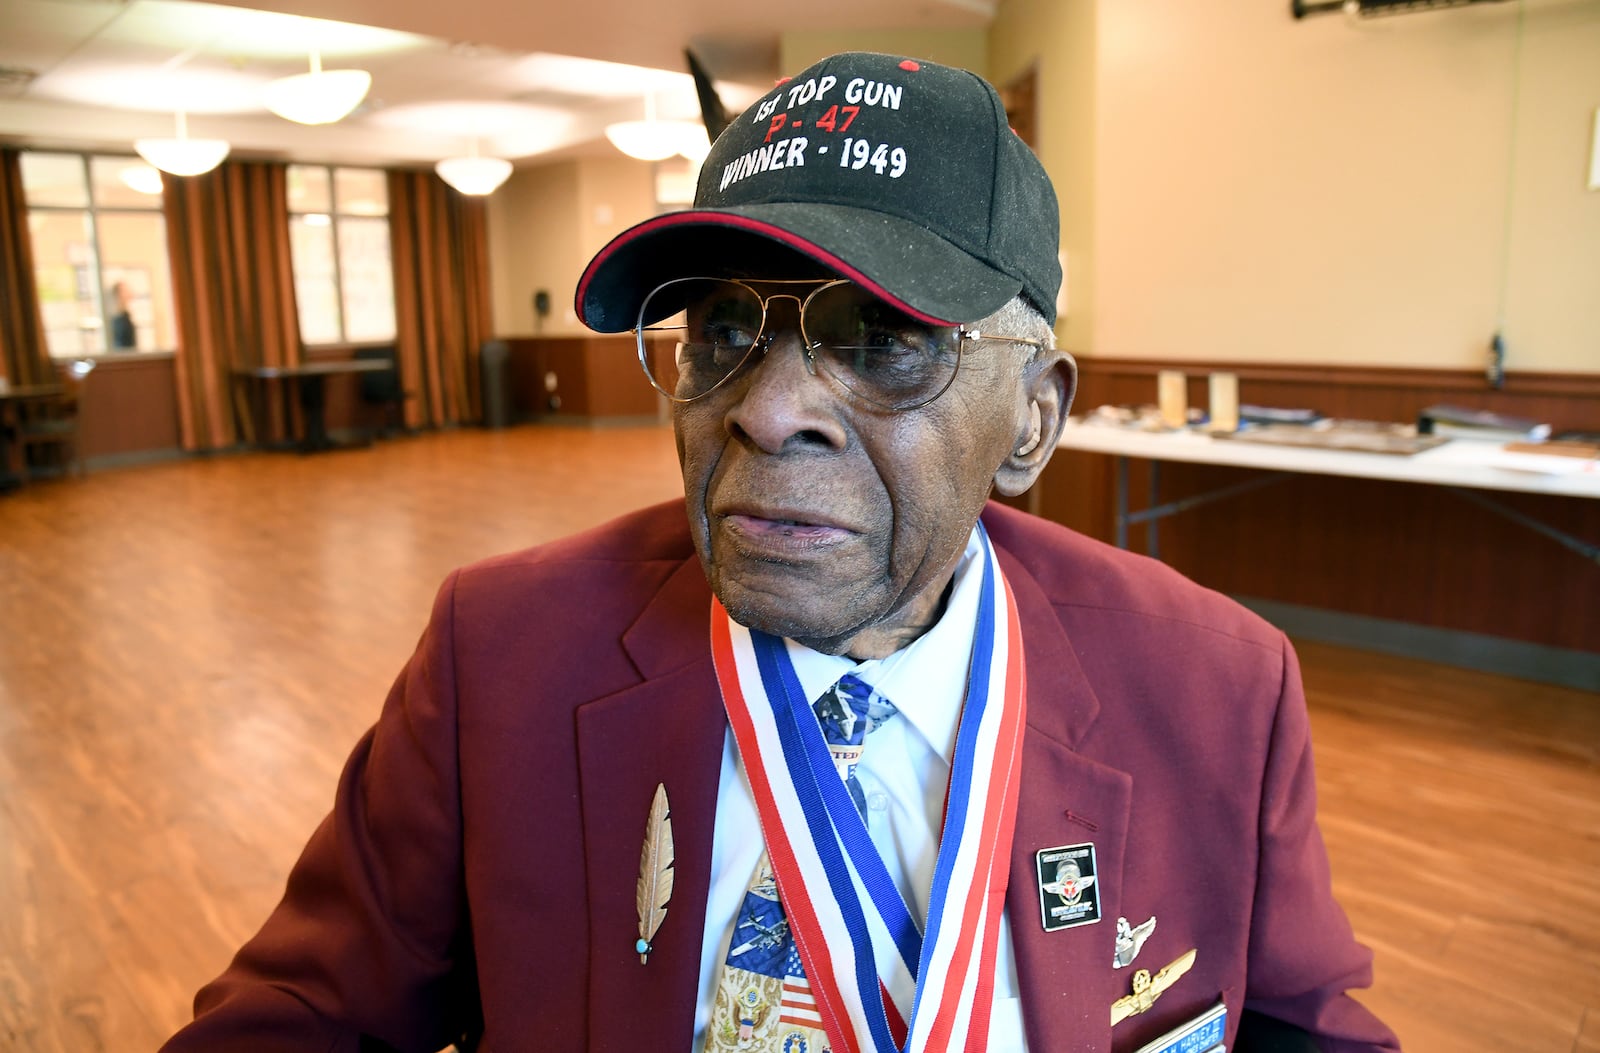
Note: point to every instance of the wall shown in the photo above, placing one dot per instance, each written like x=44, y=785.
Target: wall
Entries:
x=532, y=245
x=129, y=407
x=614, y=192
x=1553, y=292
x=544, y=225
x=1056, y=38
x=1329, y=190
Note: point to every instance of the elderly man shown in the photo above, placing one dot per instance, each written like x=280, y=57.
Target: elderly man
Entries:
x=914, y=771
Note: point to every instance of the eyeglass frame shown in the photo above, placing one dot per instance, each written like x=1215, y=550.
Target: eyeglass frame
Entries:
x=763, y=341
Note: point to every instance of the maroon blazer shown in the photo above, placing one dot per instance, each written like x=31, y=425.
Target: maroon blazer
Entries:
x=483, y=848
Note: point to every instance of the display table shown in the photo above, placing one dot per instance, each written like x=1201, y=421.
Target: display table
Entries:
x=1471, y=469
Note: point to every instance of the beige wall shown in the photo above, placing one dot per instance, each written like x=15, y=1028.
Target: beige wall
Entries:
x=1336, y=191
x=614, y=192
x=1553, y=290
x=1236, y=185
x=1329, y=191
x=545, y=224
x=533, y=245
x=1056, y=38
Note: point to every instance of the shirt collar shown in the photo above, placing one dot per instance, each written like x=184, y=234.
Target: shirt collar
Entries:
x=927, y=679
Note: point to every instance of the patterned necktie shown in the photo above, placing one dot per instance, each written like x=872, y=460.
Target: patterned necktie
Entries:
x=764, y=1002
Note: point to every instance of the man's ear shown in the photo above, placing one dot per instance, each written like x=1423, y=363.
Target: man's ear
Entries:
x=1049, y=382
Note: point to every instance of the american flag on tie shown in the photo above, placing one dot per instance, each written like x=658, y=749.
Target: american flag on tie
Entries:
x=799, y=1007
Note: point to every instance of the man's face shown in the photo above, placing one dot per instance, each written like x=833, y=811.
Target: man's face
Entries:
x=823, y=518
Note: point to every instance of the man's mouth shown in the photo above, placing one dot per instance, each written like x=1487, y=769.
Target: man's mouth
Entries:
x=781, y=531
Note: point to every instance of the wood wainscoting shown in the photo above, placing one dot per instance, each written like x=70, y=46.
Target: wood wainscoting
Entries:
x=1398, y=551
x=578, y=378
x=130, y=407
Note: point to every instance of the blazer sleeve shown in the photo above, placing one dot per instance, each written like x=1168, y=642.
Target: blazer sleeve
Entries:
x=1304, y=958
x=370, y=940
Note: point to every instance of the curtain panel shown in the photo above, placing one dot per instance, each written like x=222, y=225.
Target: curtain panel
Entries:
x=228, y=240
x=24, y=355
x=440, y=244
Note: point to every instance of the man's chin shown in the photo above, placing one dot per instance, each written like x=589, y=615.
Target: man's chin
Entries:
x=822, y=625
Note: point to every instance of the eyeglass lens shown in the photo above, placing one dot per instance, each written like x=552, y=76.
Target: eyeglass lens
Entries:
x=873, y=349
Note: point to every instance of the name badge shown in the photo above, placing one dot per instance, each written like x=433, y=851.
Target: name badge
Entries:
x=1203, y=1034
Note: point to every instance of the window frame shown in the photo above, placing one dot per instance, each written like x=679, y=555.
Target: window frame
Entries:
x=92, y=210
x=336, y=215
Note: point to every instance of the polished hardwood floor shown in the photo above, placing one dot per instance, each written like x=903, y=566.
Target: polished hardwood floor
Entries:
x=187, y=651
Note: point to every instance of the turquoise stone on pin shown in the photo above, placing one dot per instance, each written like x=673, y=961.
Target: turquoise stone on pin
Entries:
x=642, y=946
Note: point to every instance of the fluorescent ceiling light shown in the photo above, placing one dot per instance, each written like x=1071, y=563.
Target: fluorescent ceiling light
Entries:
x=183, y=156
x=318, y=97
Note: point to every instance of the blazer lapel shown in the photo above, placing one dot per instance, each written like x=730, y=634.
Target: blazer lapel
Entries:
x=667, y=731
x=1066, y=981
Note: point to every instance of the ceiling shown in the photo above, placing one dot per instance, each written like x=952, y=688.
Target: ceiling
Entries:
x=528, y=80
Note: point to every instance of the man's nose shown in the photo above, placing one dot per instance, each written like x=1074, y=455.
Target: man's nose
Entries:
x=784, y=399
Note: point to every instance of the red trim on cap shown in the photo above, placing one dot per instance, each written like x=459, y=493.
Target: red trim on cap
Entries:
x=910, y=65
x=778, y=234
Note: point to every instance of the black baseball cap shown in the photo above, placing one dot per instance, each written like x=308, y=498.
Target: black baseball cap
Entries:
x=899, y=174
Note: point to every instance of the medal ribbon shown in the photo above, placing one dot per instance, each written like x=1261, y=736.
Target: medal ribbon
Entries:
x=868, y=966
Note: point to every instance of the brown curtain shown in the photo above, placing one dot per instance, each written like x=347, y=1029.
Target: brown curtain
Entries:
x=228, y=238
x=24, y=356
x=440, y=243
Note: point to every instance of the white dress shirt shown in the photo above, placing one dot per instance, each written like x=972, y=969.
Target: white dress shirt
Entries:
x=903, y=776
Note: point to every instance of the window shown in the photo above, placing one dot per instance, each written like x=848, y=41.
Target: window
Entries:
x=339, y=236
x=99, y=253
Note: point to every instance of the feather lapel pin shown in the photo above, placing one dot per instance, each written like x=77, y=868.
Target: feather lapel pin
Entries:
x=655, y=872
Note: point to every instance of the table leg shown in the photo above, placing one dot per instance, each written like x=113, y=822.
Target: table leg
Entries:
x=13, y=472
x=10, y=476
x=1152, y=544
x=313, y=394
x=1122, y=502
x=288, y=412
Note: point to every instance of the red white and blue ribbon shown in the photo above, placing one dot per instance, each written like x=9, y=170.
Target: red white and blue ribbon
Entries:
x=880, y=984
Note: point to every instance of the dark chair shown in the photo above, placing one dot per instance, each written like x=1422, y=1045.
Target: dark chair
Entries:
x=383, y=391
x=1265, y=1034
x=55, y=424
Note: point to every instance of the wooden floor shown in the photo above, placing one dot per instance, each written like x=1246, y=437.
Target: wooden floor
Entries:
x=188, y=650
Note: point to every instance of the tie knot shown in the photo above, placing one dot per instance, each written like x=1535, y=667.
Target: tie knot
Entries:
x=850, y=710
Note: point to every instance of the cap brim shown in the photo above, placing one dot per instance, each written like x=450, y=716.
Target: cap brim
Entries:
x=897, y=260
